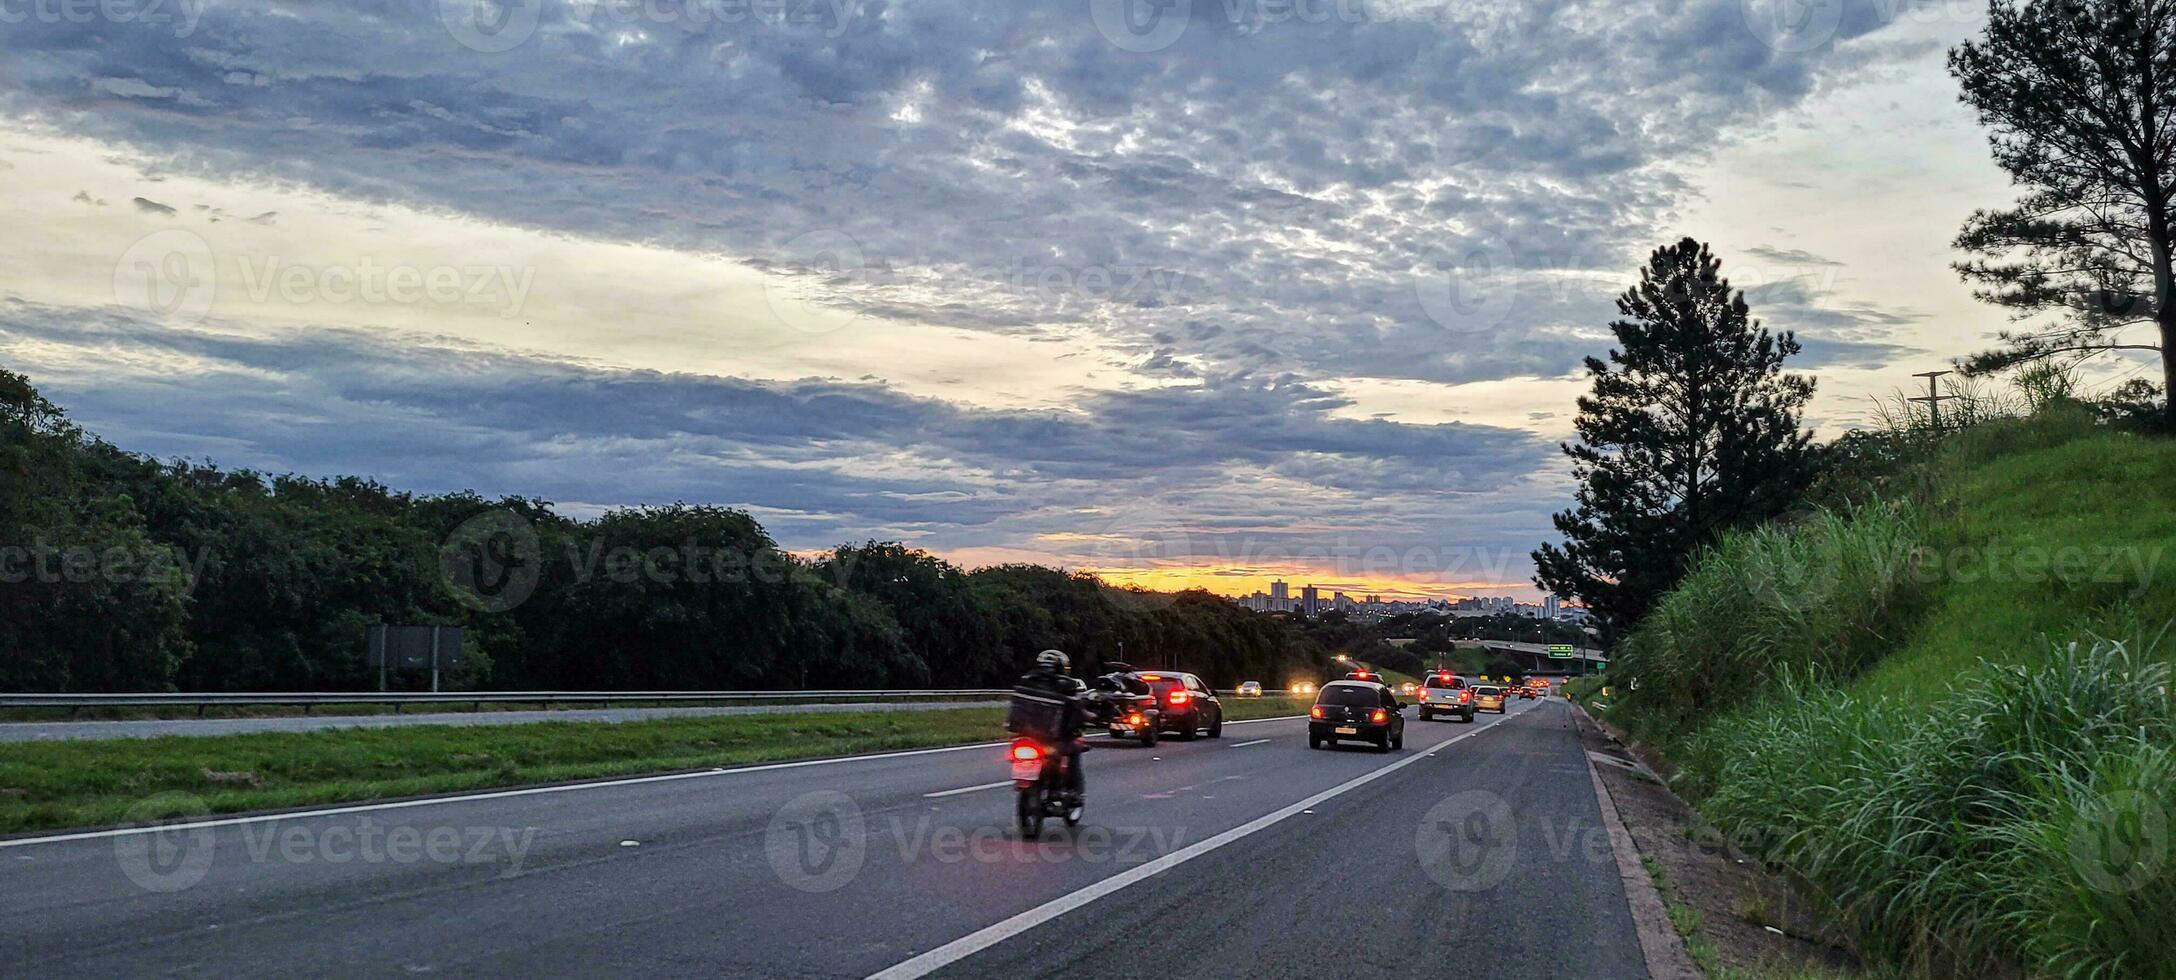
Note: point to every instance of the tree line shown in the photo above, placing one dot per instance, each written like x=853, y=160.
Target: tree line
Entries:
x=123, y=573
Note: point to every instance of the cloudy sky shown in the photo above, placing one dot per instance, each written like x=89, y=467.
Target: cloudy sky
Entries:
x=1188, y=293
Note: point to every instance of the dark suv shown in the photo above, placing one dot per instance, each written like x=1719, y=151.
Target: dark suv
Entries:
x=1185, y=704
x=1356, y=711
x=1445, y=693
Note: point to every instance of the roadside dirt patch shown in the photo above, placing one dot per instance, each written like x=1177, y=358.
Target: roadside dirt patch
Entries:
x=1735, y=914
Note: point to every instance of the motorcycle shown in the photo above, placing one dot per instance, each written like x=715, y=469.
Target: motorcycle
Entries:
x=1038, y=779
x=1122, y=712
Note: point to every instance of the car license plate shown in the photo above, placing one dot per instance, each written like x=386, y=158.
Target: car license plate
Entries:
x=1348, y=730
x=1029, y=771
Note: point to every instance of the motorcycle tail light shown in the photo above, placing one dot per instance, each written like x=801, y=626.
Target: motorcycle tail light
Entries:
x=1026, y=751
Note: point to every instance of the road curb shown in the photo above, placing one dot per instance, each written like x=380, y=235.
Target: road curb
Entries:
x=1660, y=945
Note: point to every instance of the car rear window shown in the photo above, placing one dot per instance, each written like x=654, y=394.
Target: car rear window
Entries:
x=1164, y=685
x=1353, y=697
x=1454, y=683
x=1486, y=691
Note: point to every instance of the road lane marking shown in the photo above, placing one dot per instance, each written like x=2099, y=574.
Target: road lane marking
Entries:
x=967, y=789
x=975, y=942
x=1242, y=745
x=508, y=793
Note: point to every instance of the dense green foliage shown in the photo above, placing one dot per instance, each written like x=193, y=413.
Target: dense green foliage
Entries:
x=123, y=573
x=1940, y=696
x=1691, y=429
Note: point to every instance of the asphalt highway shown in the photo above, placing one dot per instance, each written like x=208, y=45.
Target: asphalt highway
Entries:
x=1248, y=855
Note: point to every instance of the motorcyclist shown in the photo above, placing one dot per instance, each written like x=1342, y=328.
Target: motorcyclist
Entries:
x=1052, y=679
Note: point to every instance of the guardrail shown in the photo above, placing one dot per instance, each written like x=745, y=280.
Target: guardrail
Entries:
x=477, y=699
x=398, y=700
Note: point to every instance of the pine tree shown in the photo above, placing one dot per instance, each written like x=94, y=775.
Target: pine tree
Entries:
x=2079, y=97
x=1691, y=429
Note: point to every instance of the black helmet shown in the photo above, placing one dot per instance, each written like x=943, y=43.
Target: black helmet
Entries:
x=1054, y=661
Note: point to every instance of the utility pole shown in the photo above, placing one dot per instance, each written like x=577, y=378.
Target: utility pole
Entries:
x=1933, y=397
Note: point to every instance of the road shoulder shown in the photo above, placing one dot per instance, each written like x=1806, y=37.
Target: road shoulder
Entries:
x=1704, y=905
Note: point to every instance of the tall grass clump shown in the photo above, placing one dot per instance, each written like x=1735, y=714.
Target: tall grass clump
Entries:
x=1831, y=592
x=2024, y=820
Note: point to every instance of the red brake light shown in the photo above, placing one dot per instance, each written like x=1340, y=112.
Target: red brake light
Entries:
x=1179, y=697
x=1026, y=751
x=1379, y=716
x=1465, y=696
x=1152, y=677
x=1315, y=712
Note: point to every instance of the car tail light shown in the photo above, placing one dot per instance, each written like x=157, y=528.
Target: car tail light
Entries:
x=1315, y=712
x=1379, y=716
x=1179, y=698
x=1465, y=696
x=1026, y=751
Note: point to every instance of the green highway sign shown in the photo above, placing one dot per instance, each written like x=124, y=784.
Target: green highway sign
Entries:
x=1560, y=651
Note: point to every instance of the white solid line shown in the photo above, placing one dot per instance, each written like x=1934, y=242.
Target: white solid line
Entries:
x=495, y=795
x=967, y=789
x=1241, y=745
x=989, y=936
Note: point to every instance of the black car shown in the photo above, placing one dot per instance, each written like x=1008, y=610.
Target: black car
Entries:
x=1356, y=711
x=1184, y=705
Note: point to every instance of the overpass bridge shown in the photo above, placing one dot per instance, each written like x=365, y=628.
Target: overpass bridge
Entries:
x=1534, y=657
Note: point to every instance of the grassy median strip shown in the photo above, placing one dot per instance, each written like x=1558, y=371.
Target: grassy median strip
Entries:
x=54, y=785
